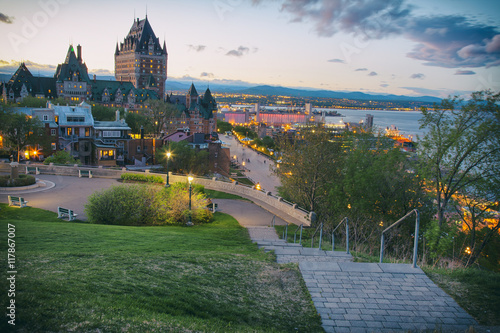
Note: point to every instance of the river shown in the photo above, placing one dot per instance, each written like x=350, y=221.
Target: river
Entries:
x=406, y=121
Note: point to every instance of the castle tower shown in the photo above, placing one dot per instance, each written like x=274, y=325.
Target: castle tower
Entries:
x=141, y=59
x=191, y=97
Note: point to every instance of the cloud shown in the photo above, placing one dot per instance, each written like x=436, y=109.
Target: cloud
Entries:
x=207, y=75
x=5, y=19
x=417, y=76
x=10, y=67
x=373, y=74
x=463, y=72
x=384, y=85
x=197, y=48
x=361, y=69
x=459, y=42
x=441, y=93
x=101, y=72
x=338, y=61
x=241, y=51
x=450, y=41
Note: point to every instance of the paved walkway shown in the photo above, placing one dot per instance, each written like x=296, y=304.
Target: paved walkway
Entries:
x=368, y=297
x=64, y=191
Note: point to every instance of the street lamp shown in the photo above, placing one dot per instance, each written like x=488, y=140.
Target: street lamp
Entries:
x=167, y=184
x=190, y=179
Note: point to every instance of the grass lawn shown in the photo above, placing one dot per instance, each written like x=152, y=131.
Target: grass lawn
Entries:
x=477, y=291
x=78, y=277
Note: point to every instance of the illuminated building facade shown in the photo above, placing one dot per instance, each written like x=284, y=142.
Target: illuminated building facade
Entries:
x=141, y=59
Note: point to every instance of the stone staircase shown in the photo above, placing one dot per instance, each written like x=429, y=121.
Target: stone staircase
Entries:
x=367, y=297
x=290, y=252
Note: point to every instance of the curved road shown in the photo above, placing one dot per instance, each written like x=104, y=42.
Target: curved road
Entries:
x=72, y=193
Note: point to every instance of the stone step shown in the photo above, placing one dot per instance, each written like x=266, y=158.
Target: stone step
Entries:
x=359, y=267
x=278, y=243
x=320, y=259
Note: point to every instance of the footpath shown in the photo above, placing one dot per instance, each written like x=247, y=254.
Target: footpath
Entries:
x=367, y=297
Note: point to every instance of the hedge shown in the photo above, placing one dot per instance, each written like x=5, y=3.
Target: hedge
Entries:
x=142, y=178
x=23, y=180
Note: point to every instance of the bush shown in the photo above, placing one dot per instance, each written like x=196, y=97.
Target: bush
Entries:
x=173, y=205
x=142, y=178
x=61, y=157
x=147, y=205
x=122, y=205
x=23, y=180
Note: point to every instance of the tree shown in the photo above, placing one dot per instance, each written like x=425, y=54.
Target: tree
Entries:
x=378, y=185
x=136, y=120
x=184, y=159
x=224, y=127
x=479, y=210
x=159, y=113
x=105, y=113
x=21, y=130
x=462, y=145
x=309, y=164
x=33, y=102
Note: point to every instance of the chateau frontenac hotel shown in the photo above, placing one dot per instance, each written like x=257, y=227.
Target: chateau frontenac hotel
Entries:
x=141, y=63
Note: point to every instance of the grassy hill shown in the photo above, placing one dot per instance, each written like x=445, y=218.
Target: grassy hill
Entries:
x=81, y=277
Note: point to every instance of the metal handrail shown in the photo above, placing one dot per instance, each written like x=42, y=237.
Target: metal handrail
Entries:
x=295, y=234
x=346, y=234
x=285, y=232
x=320, y=227
x=415, y=245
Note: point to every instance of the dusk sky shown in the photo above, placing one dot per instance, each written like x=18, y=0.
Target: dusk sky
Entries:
x=425, y=47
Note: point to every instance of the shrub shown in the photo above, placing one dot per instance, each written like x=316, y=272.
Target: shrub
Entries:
x=122, y=205
x=23, y=180
x=147, y=205
x=172, y=205
x=142, y=178
x=61, y=157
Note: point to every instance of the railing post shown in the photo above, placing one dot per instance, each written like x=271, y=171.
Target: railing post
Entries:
x=320, y=235
x=415, y=247
x=300, y=239
x=286, y=232
x=347, y=235
x=382, y=247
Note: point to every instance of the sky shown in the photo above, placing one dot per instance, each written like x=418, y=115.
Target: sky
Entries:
x=403, y=47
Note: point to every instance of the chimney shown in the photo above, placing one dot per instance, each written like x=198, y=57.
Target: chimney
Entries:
x=142, y=132
x=94, y=78
x=117, y=112
x=79, y=53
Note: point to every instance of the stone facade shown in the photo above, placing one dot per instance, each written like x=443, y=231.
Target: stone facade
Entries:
x=141, y=60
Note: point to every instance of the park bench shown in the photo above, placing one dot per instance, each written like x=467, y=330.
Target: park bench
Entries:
x=34, y=170
x=85, y=173
x=17, y=201
x=64, y=212
x=213, y=207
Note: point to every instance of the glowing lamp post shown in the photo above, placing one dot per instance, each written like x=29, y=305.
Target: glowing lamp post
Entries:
x=167, y=184
x=190, y=179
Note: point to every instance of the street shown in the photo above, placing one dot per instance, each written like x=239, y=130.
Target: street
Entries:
x=257, y=166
